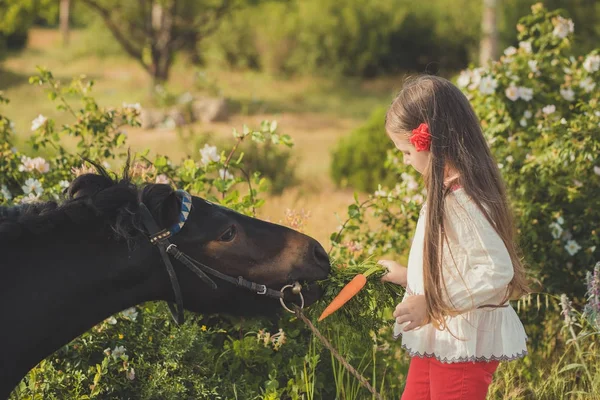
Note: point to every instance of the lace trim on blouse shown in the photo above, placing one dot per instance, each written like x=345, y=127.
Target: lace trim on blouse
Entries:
x=465, y=359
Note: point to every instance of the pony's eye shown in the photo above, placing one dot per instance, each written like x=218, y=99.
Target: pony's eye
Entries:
x=229, y=234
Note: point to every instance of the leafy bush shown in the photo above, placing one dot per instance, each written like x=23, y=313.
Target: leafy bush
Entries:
x=358, y=160
x=538, y=107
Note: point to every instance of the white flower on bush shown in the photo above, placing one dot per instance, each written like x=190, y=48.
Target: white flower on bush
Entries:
x=512, y=92
x=533, y=66
x=380, y=192
x=5, y=192
x=592, y=63
x=33, y=186
x=209, y=154
x=162, y=178
x=523, y=122
x=30, y=198
x=549, y=109
x=411, y=183
x=510, y=159
x=133, y=106
x=488, y=85
x=527, y=114
x=563, y=121
x=34, y=164
x=587, y=84
x=130, y=374
x=475, y=78
x=130, y=313
x=562, y=27
x=525, y=93
x=510, y=51
x=64, y=184
x=118, y=352
x=556, y=230
x=225, y=174
x=568, y=94
x=38, y=122
x=526, y=46
x=112, y=321
x=464, y=78
x=572, y=247
x=596, y=170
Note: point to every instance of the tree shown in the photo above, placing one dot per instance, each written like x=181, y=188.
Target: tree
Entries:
x=153, y=31
x=65, y=8
x=488, y=46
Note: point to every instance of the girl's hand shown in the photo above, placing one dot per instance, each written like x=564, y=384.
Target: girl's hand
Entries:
x=397, y=272
x=414, y=310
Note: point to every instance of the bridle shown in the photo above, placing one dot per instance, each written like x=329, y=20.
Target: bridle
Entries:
x=160, y=238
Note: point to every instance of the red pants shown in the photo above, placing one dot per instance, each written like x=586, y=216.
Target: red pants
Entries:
x=429, y=379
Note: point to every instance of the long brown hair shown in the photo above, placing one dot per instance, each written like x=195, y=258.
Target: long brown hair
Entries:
x=457, y=141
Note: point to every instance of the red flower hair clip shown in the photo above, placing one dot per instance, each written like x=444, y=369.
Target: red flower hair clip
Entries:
x=421, y=138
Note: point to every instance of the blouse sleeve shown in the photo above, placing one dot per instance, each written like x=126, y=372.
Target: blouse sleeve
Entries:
x=482, y=269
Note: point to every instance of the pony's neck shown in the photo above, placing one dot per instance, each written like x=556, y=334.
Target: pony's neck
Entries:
x=55, y=289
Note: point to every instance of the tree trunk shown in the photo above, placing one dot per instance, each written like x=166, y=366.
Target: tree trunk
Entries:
x=162, y=41
x=64, y=11
x=488, y=47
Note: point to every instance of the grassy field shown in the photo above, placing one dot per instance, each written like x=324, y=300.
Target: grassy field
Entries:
x=316, y=112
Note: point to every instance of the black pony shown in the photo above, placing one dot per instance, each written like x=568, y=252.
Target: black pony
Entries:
x=67, y=267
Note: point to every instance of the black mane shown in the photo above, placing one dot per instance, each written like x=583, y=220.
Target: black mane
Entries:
x=90, y=197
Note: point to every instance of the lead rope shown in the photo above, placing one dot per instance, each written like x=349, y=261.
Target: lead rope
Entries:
x=363, y=381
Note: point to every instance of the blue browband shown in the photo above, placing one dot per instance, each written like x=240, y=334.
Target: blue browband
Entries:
x=186, y=207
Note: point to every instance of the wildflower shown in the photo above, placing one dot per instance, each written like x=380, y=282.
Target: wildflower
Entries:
x=533, y=66
x=526, y=46
x=568, y=94
x=563, y=121
x=556, y=230
x=464, y=78
x=209, y=154
x=162, y=178
x=587, y=84
x=592, y=308
x=509, y=159
x=475, y=78
x=34, y=164
x=567, y=309
x=597, y=170
x=523, y=122
x=572, y=247
x=203, y=328
x=278, y=339
x=130, y=374
x=512, y=92
x=64, y=184
x=33, y=186
x=510, y=51
x=5, y=192
x=130, y=313
x=380, y=193
x=527, y=114
x=133, y=106
x=38, y=122
x=549, y=109
x=112, y=321
x=592, y=63
x=225, y=174
x=488, y=85
x=560, y=220
x=30, y=198
x=118, y=352
x=525, y=93
x=562, y=27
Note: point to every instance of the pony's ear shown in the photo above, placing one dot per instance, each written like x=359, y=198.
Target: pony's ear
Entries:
x=88, y=185
x=163, y=203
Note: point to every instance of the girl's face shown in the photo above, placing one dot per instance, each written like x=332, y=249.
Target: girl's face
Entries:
x=418, y=159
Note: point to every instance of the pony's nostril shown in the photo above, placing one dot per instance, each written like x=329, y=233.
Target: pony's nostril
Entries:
x=321, y=255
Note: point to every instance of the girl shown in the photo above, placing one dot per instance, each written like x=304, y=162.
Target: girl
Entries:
x=455, y=319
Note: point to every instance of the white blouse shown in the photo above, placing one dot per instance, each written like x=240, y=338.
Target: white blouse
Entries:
x=477, y=269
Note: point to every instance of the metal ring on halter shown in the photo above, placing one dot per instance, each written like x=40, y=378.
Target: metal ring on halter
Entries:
x=296, y=290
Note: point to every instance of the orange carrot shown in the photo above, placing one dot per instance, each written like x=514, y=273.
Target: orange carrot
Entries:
x=347, y=292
